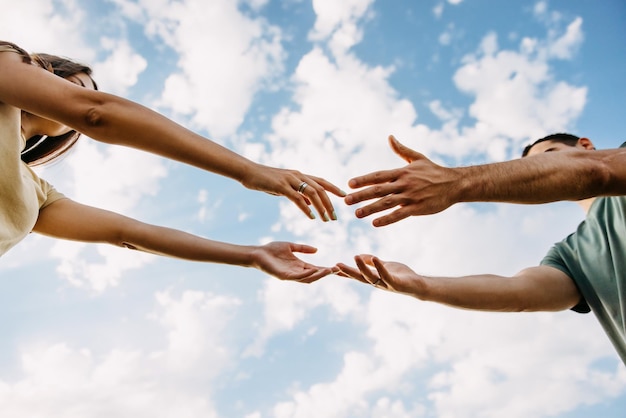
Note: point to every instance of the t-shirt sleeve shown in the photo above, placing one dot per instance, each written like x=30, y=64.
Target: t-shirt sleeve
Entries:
x=553, y=259
x=51, y=194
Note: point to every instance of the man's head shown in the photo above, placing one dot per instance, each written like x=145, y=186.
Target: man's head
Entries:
x=555, y=142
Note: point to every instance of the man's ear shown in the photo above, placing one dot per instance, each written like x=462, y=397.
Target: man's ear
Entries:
x=586, y=143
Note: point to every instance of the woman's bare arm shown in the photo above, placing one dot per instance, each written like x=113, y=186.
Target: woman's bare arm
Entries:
x=112, y=119
x=70, y=220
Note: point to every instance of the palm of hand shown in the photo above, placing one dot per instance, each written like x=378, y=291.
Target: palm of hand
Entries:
x=279, y=260
x=397, y=276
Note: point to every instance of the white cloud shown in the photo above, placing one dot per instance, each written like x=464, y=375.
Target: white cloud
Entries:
x=130, y=9
x=337, y=23
x=341, y=107
x=516, y=94
x=540, y=8
x=507, y=353
x=332, y=15
x=565, y=46
x=438, y=10
x=286, y=304
x=224, y=58
x=488, y=362
x=38, y=25
x=58, y=380
x=121, y=69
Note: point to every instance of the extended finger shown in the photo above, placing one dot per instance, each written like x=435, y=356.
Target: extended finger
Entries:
x=376, y=177
x=328, y=186
x=302, y=248
x=314, y=274
x=381, y=269
x=300, y=200
x=351, y=272
x=380, y=205
x=404, y=152
x=318, y=197
x=370, y=275
x=395, y=216
x=372, y=192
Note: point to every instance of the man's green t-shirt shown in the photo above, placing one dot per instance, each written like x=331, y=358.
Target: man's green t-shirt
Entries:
x=595, y=258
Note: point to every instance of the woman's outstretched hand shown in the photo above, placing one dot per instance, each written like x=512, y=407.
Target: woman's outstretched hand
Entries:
x=302, y=189
x=279, y=260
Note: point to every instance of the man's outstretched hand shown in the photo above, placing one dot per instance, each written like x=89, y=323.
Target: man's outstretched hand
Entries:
x=419, y=188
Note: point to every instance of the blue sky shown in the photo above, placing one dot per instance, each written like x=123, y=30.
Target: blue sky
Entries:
x=95, y=331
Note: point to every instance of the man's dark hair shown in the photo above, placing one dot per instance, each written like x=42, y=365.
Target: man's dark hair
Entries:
x=567, y=139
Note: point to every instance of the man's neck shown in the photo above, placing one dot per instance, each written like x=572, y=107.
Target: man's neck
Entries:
x=586, y=203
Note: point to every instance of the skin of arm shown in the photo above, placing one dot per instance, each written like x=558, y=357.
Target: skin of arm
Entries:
x=67, y=219
x=423, y=187
x=533, y=289
x=115, y=120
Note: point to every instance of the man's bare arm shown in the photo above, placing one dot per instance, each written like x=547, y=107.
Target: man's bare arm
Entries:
x=533, y=289
x=423, y=187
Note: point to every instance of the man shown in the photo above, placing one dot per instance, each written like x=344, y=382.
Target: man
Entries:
x=586, y=271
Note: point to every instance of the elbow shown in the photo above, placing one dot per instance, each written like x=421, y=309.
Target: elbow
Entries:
x=126, y=234
x=93, y=117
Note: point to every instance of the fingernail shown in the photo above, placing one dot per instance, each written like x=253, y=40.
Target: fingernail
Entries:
x=334, y=216
x=342, y=193
x=325, y=216
x=311, y=215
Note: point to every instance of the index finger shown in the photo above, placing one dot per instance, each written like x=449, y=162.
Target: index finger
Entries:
x=328, y=186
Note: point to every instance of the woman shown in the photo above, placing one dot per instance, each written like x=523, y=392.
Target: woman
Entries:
x=49, y=110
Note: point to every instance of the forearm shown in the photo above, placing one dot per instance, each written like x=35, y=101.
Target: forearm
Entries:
x=69, y=220
x=545, y=178
x=527, y=292
x=121, y=122
x=179, y=244
x=479, y=292
x=109, y=118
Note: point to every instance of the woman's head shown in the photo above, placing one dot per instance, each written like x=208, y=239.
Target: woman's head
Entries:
x=41, y=149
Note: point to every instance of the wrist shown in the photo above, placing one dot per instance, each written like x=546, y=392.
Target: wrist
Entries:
x=254, y=256
x=421, y=288
x=248, y=173
x=465, y=186
x=236, y=255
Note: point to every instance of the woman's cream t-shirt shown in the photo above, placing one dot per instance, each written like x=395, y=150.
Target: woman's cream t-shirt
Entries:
x=22, y=193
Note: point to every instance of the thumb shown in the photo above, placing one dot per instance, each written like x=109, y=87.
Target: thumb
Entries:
x=403, y=152
x=302, y=248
